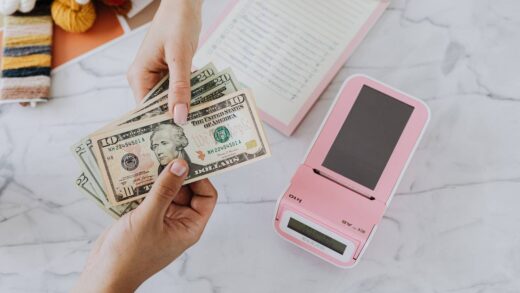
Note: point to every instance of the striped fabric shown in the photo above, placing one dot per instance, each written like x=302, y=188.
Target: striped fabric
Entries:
x=26, y=60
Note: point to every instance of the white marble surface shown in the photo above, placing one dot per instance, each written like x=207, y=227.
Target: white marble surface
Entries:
x=452, y=227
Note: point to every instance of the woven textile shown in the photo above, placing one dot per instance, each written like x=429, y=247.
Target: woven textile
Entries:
x=26, y=60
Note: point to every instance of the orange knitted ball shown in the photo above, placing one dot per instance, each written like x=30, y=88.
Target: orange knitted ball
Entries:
x=73, y=17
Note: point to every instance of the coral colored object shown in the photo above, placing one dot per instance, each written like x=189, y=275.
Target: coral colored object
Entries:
x=115, y=2
x=121, y=7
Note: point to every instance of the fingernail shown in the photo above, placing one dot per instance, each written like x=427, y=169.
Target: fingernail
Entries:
x=178, y=168
x=180, y=114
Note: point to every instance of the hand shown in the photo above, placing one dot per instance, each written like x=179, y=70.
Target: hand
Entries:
x=169, y=45
x=169, y=220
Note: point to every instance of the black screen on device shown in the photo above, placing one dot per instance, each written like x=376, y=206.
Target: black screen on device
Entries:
x=368, y=137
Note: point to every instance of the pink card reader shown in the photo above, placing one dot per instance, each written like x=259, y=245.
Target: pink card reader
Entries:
x=340, y=192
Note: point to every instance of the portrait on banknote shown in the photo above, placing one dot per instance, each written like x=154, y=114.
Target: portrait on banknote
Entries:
x=168, y=142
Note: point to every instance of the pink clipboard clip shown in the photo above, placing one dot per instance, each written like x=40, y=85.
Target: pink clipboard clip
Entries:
x=339, y=194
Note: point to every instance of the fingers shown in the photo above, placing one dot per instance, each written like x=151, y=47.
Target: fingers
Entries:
x=141, y=80
x=165, y=189
x=204, y=197
x=179, y=92
x=183, y=198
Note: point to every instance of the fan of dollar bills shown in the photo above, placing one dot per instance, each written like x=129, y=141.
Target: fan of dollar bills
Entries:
x=121, y=161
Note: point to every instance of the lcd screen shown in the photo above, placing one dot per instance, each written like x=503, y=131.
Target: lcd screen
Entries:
x=317, y=236
x=368, y=137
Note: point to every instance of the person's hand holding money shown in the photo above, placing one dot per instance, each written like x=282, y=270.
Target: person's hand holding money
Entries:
x=170, y=219
x=169, y=46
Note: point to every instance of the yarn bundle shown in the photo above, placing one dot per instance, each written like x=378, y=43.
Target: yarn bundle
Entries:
x=27, y=42
x=26, y=58
x=72, y=16
x=79, y=15
x=8, y=7
x=75, y=16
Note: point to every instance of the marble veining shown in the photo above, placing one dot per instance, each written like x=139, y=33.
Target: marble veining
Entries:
x=452, y=226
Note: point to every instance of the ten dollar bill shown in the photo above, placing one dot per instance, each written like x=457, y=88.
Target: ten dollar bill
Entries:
x=220, y=135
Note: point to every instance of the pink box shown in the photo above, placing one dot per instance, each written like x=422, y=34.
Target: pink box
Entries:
x=339, y=194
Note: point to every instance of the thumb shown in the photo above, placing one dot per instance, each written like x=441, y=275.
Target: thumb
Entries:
x=179, y=91
x=165, y=188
